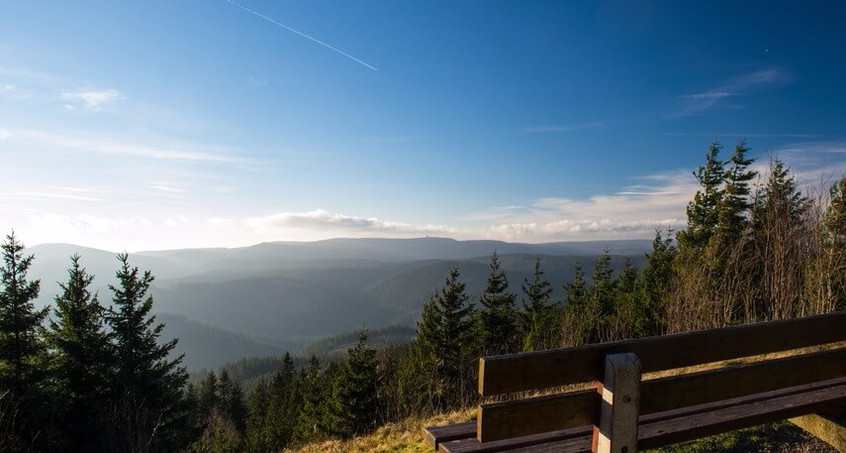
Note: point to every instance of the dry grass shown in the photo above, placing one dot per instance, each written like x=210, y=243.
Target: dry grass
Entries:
x=402, y=437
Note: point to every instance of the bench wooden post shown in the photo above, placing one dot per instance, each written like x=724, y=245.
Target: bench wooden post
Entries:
x=618, y=418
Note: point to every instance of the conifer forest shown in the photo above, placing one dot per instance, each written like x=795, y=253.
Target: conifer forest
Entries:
x=91, y=372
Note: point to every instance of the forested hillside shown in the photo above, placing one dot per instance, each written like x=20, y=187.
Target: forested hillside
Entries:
x=101, y=376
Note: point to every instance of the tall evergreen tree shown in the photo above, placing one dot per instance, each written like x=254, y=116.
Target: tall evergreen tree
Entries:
x=354, y=392
x=703, y=211
x=498, y=316
x=445, y=346
x=83, y=361
x=735, y=202
x=231, y=397
x=543, y=325
x=575, y=320
x=284, y=406
x=658, y=276
x=311, y=422
x=258, y=403
x=22, y=349
x=148, y=405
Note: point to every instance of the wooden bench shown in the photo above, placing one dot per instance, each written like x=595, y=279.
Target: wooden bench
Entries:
x=656, y=391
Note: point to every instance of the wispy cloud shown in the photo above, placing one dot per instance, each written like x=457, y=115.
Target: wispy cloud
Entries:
x=732, y=134
x=56, y=194
x=737, y=86
x=99, y=144
x=320, y=221
x=301, y=34
x=93, y=100
x=562, y=128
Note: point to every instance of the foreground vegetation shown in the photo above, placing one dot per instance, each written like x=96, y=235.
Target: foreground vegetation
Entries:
x=98, y=379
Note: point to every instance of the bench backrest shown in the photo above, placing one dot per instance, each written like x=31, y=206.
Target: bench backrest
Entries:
x=586, y=364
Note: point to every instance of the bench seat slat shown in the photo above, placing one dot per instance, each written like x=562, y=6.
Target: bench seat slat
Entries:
x=470, y=444
x=499, y=421
x=706, y=420
x=543, y=369
x=435, y=435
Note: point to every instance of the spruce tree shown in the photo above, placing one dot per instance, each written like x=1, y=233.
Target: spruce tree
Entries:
x=703, y=211
x=735, y=202
x=284, y=406
x=575, y=320
x=148, y=402
x=231, y=397
x=444, y=348
x=22, y=350
x=83, y=361
x=354, y=392
x=311, y=424
x=498, y=316
x=658, y=276
x=543, y=325
x=258, y=403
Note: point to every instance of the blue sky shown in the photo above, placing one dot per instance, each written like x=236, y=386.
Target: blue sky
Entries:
x=154, y=125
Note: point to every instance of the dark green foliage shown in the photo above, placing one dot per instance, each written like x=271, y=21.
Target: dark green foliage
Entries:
x=735, y=203
x=22, y=350
x=703, y=211
x=82, y=362
x=218, y=414
x=312, y=418
x=658, y=275
x=354, y=392
x=444, y=349
x=542, y=317
x=498, y=316
x=147, y=412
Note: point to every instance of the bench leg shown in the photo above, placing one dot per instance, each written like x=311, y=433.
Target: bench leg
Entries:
x=617, y=430
x=827, y=428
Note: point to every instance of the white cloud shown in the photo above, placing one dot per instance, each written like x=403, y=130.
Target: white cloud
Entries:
x=92, y=100
x=320, y=222
x=737, y=86
x=128, y=147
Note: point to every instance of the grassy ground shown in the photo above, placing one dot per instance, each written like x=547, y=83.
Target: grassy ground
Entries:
x=403, y=437
x=406, y=437
x=782, y=437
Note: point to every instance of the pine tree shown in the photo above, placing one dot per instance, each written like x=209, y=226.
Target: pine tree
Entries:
x=779, y=232
x=148, y=401
x=207, y=395
x=22, y=349
x=284, y=406
x=83, y=361
x=258, y=403
x=354, y=392
x=444, y=348
x=542, y=317
x=575, y=320
x=498, y=316
x=703, y=211
x=735, y=202
x=231, y=397
x=658, y=276
x=311, y=424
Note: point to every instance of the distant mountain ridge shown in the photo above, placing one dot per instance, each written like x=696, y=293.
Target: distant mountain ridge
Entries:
x=293, y=293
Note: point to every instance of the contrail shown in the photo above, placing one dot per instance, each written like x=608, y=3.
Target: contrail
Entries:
x=301, y=34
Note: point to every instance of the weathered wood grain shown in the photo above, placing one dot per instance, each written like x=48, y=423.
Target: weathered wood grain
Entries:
x=537, y=370
x=536, y=415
